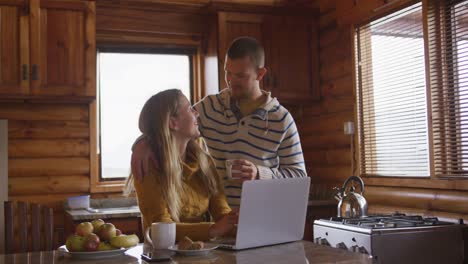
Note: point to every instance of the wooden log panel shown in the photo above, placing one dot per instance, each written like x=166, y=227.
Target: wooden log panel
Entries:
x=335, y=89
x=333, y=36
x=60, y=112
x=18, y=129
x=334, y=140
x=19, y=148
x=427, y=199
x=48, y=167
x=330, y=105
x=48, y=185
x=54, y=201
x=339, y=157
x=326, y=123
x=328, y=175
x=337, y=70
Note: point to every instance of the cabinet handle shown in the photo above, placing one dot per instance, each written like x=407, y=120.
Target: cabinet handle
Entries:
x=34, y=72
x=25, y=72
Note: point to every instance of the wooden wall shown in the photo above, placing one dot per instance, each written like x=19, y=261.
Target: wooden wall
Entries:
x=327, y=149
x=48, y=152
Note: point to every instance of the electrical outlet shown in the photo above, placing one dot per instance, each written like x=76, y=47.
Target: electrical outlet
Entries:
x=349, y=128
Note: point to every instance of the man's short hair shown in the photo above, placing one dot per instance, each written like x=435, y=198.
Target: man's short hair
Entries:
x=247, y=46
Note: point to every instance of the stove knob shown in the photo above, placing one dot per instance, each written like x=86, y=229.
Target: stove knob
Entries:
x=354, y=248
x=341, y=245
x=323, y=241
x=363, y=250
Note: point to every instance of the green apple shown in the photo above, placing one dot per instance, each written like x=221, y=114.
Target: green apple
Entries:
x=105, y=246
x=107, y=231
x=97, y=223
x=84, y=229
x=75, y=243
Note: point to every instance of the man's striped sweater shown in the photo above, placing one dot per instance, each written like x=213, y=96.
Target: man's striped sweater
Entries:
x=268, y=138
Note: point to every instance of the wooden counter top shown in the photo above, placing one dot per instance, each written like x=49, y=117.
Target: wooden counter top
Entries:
x=301, y=252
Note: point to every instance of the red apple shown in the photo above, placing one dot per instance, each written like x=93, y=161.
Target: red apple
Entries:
x=91, y=242
x=84, y=229
x=107, y=231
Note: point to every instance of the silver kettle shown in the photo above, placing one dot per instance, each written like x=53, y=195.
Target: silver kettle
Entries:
x=351, y=204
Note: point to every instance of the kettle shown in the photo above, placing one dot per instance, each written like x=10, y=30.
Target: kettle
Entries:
x=351, y=204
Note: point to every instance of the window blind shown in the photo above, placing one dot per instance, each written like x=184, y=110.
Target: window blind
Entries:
x=448, y=74
x=392, y=95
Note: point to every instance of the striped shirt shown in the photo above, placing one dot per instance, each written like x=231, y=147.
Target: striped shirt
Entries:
x=268, y=138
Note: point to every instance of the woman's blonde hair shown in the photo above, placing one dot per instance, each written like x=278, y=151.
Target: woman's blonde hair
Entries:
x=154, y=124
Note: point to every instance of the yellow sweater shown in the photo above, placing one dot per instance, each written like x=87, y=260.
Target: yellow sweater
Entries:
x=195, y=203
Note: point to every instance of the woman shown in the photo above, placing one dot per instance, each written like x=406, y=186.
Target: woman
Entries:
x=184, y=185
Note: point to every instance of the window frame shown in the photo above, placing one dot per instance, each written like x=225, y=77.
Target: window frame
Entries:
x=449, y=183
x=191, y=47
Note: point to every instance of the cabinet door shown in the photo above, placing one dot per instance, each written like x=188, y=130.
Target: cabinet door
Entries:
x=234, y=25
x=14, y=47
x=63, y=53
x=293, y=59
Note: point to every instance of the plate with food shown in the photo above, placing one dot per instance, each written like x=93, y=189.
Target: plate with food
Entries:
x=187, y=247
x=93, y=254
x=97, y=239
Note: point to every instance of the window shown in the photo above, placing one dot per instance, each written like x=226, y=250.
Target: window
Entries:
x=448, y=53
x=126, y=81
x=412, y=87
x=393, y=130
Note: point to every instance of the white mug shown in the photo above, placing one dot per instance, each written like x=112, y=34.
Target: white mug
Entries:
x=163, y=234
x=229, y=169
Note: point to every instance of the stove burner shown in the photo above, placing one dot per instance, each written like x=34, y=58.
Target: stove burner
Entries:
x=389, y=221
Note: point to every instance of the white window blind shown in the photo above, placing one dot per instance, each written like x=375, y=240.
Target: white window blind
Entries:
x=392, y=101
x=448, y=53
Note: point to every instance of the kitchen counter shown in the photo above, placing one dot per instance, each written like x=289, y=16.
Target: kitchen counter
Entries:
x=104, y=213
x=300, y=252
x=106, y=209
x=113, y=208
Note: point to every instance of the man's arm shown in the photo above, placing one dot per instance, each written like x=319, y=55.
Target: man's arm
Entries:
x=291, y=159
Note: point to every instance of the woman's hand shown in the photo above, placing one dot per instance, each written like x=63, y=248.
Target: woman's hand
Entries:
x=224, y=225
x=142, y=156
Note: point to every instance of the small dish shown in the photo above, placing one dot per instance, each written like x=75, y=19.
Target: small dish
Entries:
x=196, y=252
x=94, y=254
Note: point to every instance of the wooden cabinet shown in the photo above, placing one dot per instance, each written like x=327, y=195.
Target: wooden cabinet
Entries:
x=293, y=74
x=14, y=47
x=354, y=11
x=48, y=47
x=291, y=49
x=231, y=26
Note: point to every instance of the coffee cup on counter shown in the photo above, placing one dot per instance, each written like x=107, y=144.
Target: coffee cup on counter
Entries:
x=163, y=235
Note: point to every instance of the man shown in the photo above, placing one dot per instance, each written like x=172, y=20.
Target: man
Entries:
x=246, y=124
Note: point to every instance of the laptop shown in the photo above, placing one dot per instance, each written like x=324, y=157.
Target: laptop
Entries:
x=271, y=212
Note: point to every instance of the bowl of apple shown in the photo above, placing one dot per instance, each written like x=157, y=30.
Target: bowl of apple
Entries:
x=97, y=239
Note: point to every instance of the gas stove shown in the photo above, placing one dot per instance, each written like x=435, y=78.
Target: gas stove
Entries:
x=394, y=238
